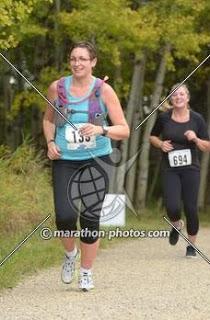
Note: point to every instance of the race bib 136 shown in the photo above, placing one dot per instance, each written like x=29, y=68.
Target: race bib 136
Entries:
x=75, y=141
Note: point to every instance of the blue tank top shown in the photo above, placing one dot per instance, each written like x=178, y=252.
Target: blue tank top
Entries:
x=72, y=145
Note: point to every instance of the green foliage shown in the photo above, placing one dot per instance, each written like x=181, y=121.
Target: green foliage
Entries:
x=119, y=32
x=176, y=23
x=15, y=21
x=5, y=152
x=28, y=98
x=113, y=28
x=24, y=160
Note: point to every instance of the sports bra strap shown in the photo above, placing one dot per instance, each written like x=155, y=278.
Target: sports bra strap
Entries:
x=94, y=107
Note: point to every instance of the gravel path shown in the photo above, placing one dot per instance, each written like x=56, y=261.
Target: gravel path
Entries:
x=135, y=279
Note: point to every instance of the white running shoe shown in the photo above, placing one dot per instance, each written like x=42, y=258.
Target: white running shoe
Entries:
x=68, y=268
x=86, y=281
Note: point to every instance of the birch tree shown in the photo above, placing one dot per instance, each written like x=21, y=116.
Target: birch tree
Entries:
x=134, y=144
x=205, y=157
x=145, y=146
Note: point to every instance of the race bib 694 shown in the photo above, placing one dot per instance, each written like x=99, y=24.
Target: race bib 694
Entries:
x=180, y=158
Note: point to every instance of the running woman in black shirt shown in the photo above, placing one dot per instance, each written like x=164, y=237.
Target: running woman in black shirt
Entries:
x=183, y=132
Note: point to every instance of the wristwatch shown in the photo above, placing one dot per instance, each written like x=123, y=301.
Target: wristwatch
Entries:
x=51, y=140
x=105, y=131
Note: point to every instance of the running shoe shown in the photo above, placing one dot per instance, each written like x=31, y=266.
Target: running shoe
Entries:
x=190, y=252
x=86, y=281
x=174, y=235
x=68, y=268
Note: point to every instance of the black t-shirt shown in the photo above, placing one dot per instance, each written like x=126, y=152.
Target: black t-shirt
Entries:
x=174, y=131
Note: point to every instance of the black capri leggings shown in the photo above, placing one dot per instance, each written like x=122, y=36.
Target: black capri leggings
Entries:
x=182, y=184
x=79, y=189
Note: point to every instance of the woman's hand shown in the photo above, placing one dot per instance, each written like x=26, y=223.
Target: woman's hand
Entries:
x=191, y=136
x=203, y=145
x=90, y=129
x=53, y=151
x=166, y=146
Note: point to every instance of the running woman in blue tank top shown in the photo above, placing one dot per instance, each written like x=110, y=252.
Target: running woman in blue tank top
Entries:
x=72, y=145
x=74, y=150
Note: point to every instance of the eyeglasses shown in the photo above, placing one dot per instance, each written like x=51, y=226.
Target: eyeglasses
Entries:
x=79, y=60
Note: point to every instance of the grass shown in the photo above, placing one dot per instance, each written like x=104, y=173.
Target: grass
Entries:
x=34, y=255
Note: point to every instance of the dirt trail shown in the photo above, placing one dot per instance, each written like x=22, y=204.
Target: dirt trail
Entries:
x=134, y=279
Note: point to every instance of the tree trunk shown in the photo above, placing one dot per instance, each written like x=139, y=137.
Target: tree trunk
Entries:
x=113, y=187
x=205, y=158
x=58, y=45
x=145, y=149
x=7, y=101
x=155, y=176
x=135, y=134
x=132, y=103
x=5, y=107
